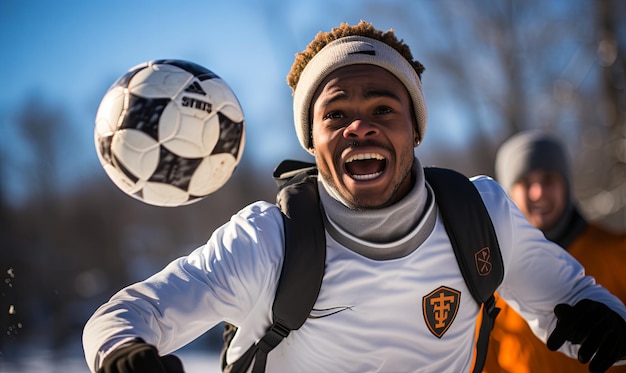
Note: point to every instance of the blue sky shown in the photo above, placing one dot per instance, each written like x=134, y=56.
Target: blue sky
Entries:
x=70, y=52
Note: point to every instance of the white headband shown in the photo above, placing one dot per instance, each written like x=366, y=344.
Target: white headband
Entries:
x=352, y=50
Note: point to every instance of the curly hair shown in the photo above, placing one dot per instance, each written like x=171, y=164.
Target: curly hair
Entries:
x=363, y=28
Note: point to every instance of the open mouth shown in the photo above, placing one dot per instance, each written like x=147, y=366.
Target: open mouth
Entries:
x=365, y=166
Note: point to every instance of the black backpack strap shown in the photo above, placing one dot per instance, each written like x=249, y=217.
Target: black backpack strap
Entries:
x=303, y=264
x=489, y=314
x=286, y=171
x=475, y=244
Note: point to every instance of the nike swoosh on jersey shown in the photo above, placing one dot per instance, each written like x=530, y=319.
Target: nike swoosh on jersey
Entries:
x=318, y=314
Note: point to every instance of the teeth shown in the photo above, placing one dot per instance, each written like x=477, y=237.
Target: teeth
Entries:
x=367, y=177
x=363, y=156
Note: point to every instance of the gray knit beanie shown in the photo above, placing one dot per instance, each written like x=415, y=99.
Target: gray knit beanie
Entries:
x=529, y=151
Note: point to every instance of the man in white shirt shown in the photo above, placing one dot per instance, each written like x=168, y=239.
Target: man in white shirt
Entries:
x=359, y=109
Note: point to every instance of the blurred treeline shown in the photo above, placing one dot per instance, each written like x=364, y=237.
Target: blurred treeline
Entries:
x=559, y=66
x=64, y=252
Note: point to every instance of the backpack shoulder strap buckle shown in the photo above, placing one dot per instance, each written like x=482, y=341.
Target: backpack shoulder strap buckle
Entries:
x=274, y=335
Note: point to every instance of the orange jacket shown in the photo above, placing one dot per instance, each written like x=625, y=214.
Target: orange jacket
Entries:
x=514, y=348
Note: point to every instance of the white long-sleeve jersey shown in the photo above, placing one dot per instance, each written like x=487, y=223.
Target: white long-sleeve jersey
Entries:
x=370, y=314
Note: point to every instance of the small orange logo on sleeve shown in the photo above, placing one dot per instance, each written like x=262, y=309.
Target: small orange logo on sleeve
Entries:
x=440, y=308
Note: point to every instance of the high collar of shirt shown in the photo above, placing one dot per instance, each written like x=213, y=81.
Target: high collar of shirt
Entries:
x=390, y=232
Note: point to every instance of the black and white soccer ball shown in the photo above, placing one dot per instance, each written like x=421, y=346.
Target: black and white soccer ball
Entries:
x=169, y=132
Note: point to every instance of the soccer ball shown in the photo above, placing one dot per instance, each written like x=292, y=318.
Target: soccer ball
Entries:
x=169, y=132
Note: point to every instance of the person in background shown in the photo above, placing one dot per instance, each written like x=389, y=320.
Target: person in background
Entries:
x=534, y=169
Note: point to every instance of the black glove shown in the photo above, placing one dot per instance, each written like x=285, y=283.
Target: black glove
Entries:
x=598, y=330
x=139, y=357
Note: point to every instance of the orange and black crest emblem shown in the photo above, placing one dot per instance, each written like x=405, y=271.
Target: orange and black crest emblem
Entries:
x=440, y=308
x=483, y=261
